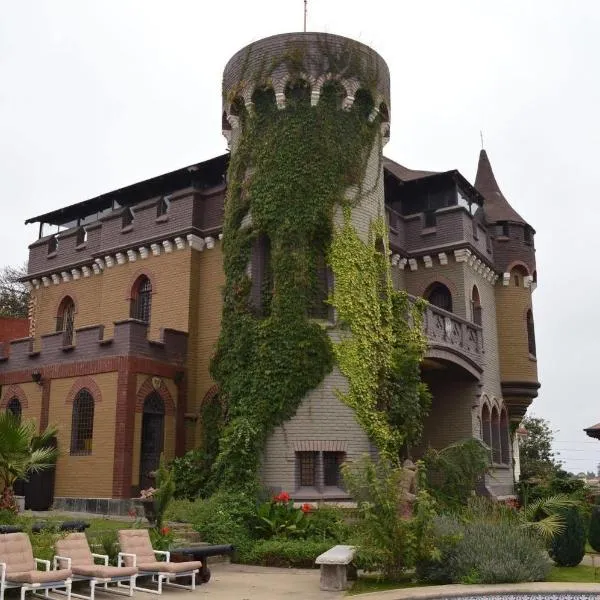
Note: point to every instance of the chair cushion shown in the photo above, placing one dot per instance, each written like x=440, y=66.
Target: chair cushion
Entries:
x=39, y=576
x=16, y=552
x=136, y=541
x=170, y=567
x=74, y=546
x=103, y=572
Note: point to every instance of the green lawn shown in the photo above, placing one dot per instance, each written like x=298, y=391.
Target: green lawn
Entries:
x=96, y=524
x=580, y=574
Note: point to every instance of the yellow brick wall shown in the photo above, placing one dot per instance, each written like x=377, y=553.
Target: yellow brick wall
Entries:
x=88, y=476
x=207, y=281
x=103, y=299
x=512, y=303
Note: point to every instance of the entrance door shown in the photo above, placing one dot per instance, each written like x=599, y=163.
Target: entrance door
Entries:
x=153, y=434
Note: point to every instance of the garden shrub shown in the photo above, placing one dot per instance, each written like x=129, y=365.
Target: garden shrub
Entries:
x=183, y=511
x=225, y=518
x=107, y=542
x=594, y=529
x=191, y=473
x=279, y=552
x=498, y=552
x=567, y=549
x=7, y=517
x=447, y=532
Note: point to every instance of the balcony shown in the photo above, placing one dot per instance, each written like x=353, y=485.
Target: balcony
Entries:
x=453, y=339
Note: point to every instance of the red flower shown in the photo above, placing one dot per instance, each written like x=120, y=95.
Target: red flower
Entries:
x=282, y=497
x=165, y=531
x=306, y=508
x=132, y=512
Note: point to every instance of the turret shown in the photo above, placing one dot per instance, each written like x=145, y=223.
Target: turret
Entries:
x=514, y=257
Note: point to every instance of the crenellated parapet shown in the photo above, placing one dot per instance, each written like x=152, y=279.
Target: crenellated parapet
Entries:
x=281, y=61
x=129, y=339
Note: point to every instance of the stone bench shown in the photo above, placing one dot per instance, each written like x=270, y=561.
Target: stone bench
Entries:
x=334, y=567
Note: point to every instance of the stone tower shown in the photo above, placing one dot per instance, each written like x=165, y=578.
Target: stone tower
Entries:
x=514, y=257
x=306, y=116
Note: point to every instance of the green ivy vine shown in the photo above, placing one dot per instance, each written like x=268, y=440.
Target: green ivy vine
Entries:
x=383, y=344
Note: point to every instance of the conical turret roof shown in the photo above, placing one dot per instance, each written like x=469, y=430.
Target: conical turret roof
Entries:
x=495, y=206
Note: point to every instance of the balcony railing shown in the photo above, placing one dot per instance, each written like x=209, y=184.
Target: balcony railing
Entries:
x=445, y=330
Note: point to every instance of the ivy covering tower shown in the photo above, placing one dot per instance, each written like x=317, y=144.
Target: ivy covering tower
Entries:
x=305, y=249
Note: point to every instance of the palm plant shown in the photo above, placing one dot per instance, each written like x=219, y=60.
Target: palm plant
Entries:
x=22, y=451
x=545, y=516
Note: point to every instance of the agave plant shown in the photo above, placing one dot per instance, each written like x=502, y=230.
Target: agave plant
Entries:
x=22, y=451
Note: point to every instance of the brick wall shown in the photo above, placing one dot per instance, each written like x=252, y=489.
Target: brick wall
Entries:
x=105, y=298
x=88, y=476
x=29, y=395
x=13, y=329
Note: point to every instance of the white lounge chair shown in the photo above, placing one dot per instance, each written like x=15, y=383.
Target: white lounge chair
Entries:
x=73, y=552
x=18, y=569
x=137, y=551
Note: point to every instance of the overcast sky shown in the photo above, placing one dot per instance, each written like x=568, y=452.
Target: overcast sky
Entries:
x=98, y=95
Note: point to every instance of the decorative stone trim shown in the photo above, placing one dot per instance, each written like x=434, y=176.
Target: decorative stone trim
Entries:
x=505, y=279
x=443, y=257
x=428, y=262
x=465, y=255
x=320, y=446
x=412, y=263
x=124, y=256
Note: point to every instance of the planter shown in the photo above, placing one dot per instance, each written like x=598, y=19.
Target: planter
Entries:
x=20, y=501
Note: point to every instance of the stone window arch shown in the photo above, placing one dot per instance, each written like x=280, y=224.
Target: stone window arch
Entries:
x=141, y=299
x=82, y=423
x=486, y=425
x=517, y=276
x=530, y=332
x=439, y=295
x=476, y=312
x=65, y=320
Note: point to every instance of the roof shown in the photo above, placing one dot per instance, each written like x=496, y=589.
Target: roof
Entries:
x=404, y=173
x=495, y=207
x=137, y=192
x=407, y=175
x=594, y=431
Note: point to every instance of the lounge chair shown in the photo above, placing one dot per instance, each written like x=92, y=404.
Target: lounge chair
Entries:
x=18, y=569
x=73, y=552
x=137, y=551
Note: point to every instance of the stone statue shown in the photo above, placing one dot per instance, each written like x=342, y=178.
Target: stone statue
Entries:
x=408, y=488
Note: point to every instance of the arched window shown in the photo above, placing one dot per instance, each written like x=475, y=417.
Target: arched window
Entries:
x=485, y=426
x=495, y=427
x=141, y=299
x=82, y=423
x=65, y=320
x=530, y=333
x=517, y=276
x=14, y=407
x=504, y=438
x=439, y=295
x=476, y=306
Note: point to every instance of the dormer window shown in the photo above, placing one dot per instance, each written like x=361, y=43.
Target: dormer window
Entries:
x=52, y=245
x=429, y=219
x=127, y=218
x=527, y=235
x=162, y=207
x=502, y=230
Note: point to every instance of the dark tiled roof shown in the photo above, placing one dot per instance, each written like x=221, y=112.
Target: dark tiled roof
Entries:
x=594, y=431
x=495, y=206
x=403, y=173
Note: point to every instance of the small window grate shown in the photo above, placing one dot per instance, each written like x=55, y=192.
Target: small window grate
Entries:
x=141, y=302
x=65, y=321
x=332, y=462
x=52, y=245
x=126, y=218
x=14, y=407
x=82, y=424
x=162, y=207
x=307, y=467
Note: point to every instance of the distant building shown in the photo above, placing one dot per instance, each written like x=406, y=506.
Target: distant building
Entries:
x=126, y=310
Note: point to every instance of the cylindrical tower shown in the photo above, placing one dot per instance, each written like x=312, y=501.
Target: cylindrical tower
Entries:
x=514, y=257
x=306, y=116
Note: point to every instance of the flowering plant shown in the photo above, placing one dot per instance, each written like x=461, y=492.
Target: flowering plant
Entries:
x=162, y=537
x=147, y=494
x=280, y=518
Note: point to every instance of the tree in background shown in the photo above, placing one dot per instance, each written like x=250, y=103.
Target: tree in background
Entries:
x=14, y=296
x=542, y=475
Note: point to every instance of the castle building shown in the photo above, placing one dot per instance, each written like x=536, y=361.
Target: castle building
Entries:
x=127, y=298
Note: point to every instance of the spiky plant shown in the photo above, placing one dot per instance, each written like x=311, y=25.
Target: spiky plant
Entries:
x=545, y=516
x=22, y=451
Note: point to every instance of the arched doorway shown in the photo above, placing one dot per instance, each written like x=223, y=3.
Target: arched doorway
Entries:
x=152, y=439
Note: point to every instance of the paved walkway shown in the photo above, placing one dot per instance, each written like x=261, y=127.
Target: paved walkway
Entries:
x=240, y=582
